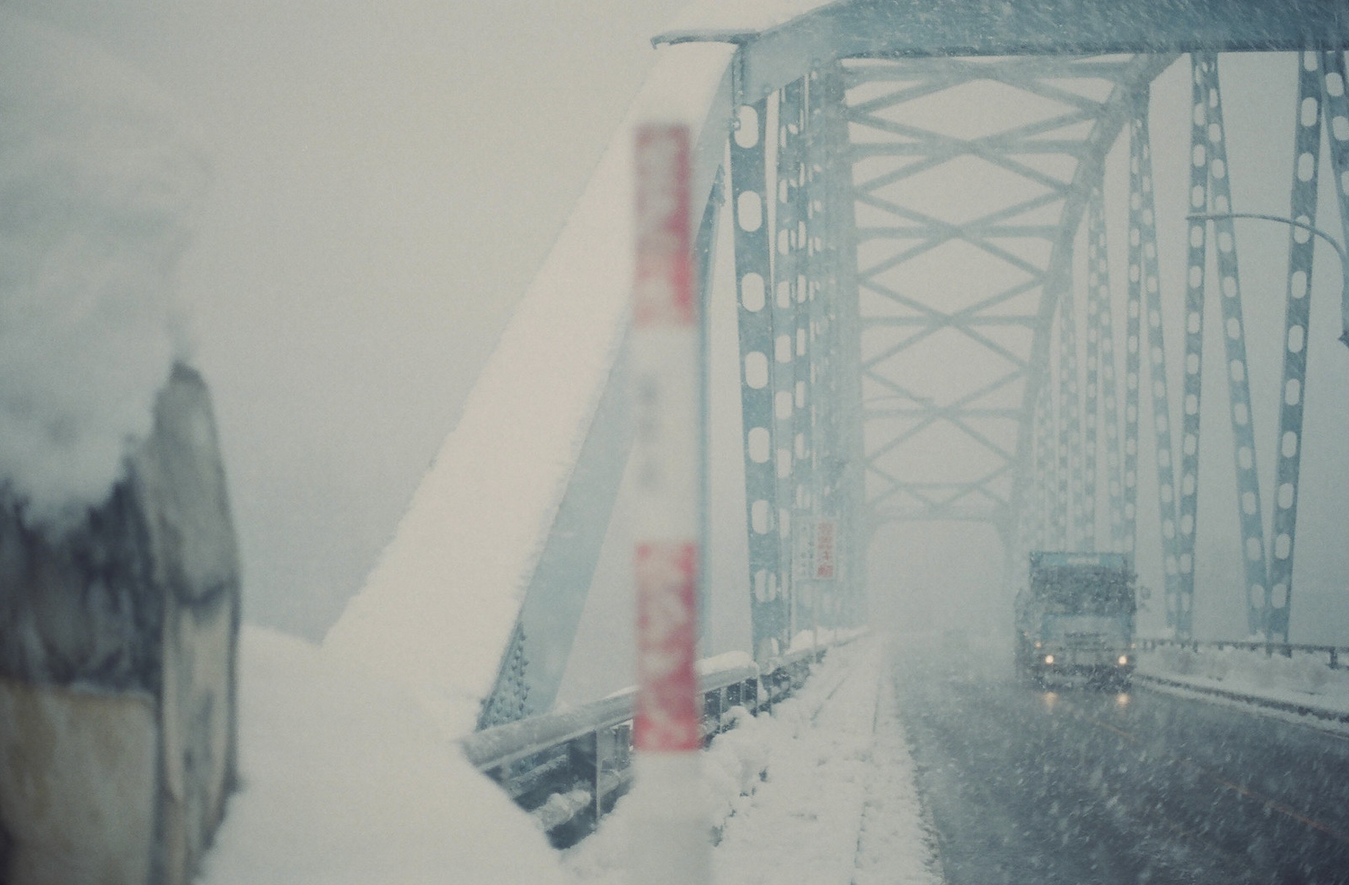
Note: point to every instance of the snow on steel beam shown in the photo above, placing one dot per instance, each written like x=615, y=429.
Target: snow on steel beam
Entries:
x=781, y=41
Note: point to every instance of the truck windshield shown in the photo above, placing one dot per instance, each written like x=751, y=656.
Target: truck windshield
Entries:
x=1084, y=591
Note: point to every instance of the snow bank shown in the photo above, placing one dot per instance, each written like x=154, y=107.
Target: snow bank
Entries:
x=438, y=608
x=802, y=799
x=346, y=780
x=728, y=660
x=100, y=183
x=1304, y=679
x=824, y=636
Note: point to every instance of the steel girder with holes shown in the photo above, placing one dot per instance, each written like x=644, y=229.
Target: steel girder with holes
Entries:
x=864, y=44
x=965, y=229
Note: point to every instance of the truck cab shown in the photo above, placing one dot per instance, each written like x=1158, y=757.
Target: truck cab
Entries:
x=1075, y=619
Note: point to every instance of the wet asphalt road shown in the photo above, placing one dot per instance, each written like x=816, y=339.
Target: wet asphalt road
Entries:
x=1080, y=786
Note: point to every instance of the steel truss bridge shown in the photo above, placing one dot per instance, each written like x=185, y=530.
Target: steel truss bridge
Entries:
x=933, y=320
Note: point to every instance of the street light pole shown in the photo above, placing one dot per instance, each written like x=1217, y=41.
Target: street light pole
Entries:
x=1334, y=244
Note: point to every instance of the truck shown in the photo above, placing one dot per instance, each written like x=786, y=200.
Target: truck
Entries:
x=1075, y=618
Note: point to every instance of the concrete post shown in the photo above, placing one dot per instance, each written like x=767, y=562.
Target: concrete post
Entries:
x=118, y=645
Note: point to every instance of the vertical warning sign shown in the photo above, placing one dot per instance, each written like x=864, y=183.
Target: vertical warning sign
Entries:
x=825, y=549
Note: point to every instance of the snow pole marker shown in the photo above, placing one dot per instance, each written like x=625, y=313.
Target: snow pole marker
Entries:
x=670, y=837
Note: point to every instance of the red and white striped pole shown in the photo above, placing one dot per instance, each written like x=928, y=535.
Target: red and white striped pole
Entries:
x=670, y=829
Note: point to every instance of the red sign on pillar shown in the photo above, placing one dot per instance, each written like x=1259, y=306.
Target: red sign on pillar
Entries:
x=667, y=715
x=825, y=550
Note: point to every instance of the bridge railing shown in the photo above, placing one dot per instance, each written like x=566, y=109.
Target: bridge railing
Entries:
x=567, y=768
x=1285, y=649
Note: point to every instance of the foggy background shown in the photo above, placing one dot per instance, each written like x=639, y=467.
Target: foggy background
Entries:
x=388, y=179
x=944, y=576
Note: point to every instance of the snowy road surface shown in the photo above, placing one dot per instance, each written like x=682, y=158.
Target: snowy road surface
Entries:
x=1086, y=786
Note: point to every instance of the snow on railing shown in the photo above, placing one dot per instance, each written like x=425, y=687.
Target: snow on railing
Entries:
x=1287, y=677
x=569, y=767
x=1269, y=648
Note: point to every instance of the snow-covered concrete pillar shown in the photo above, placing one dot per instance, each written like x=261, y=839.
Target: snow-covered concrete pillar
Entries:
x=117, y=663
x=119, y=582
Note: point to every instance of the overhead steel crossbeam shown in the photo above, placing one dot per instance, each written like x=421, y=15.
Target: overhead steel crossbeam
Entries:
x=918, y=28
x=964, y=229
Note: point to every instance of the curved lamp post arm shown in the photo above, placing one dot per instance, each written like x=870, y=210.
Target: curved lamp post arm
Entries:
x=1339, y=250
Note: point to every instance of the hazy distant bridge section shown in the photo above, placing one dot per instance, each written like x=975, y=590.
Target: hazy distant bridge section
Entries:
x=929, y=322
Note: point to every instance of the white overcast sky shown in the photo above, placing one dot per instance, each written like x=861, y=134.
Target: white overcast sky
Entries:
x=387, y=179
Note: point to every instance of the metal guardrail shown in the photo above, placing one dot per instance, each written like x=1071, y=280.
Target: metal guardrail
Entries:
x=1269, y=648
x=569, y=767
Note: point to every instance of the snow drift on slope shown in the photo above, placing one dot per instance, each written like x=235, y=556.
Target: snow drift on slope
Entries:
x=346, y=780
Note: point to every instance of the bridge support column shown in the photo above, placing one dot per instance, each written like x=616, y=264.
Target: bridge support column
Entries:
x=1335, y=91
x=1303, y=203
x=840, y=456
x=1069, y=424
x=790, y=360
x=1101, y=322
x=754, y=275
x=1209, y=142
x=1145, y=278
